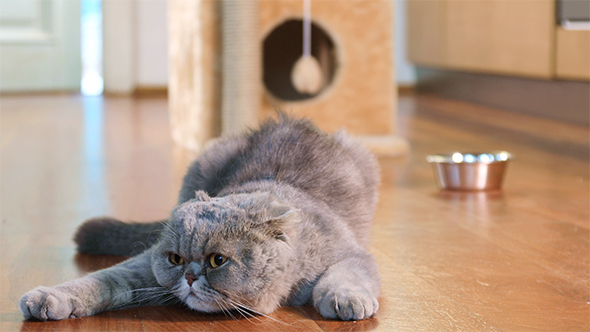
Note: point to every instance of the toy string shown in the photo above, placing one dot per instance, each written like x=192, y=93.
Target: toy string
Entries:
x=306, y=27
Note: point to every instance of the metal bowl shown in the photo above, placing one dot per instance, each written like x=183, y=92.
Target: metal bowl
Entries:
x=470, y=171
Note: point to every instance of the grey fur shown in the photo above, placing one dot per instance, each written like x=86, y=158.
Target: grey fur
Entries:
x=109, y=236
x=287, y=206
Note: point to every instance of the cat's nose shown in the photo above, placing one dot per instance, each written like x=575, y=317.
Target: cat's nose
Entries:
x=193, y=273
x=190, y=278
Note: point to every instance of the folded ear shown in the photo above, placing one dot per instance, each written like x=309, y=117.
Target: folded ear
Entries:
x=281, y=219
x=202, y=196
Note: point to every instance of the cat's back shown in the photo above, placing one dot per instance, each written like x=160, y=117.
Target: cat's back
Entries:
x=331, y=169
x=294, y=151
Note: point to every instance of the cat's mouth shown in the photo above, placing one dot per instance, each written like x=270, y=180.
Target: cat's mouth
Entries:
x=193, y=293
x=201, y=301
x=194, y=302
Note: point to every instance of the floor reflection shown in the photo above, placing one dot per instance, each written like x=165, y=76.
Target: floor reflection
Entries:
x=94, y=200
x=476, y=206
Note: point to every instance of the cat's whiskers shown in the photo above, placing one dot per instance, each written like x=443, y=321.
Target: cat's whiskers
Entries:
x=226, y=311
x=170, y=229
x=247, y=314
x=162, y=300
x=244, y=313
x=140, y=291
x=241, y=307
x=145, y=296
x=240, y=298
x=138, y=244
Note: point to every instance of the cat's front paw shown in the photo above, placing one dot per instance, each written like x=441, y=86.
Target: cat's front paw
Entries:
x=50, y=303
x=346, y=303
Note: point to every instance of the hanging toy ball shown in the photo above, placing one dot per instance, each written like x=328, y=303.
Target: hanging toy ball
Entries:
x=307, y=76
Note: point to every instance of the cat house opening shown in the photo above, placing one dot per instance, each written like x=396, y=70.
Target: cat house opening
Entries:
x=283, y=46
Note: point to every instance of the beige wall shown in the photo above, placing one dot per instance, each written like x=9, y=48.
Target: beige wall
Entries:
x=135, y=49
x=152, y=43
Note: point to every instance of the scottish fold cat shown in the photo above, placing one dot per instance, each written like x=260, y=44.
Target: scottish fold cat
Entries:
x=276, y=216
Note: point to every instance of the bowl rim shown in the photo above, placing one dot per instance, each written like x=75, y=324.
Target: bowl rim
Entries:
x=498, y=156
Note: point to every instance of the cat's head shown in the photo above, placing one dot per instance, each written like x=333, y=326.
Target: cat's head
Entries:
x=228, y=252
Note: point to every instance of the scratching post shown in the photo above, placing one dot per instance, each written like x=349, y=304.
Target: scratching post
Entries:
x=262, y=40
x=194, y=84
x=240, y=99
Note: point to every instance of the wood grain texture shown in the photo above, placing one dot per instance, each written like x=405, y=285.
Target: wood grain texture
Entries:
x=515, y=260
x=573, y=54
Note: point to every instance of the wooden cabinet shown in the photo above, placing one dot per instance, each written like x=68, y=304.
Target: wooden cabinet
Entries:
x=515, y=38
x=573, y=54
x=426, y=32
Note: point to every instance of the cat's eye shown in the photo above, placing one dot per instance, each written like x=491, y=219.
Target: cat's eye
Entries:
x=175, y=259
x=216, y=260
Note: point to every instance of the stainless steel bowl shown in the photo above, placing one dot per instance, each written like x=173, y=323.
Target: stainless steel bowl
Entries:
x=470, y=171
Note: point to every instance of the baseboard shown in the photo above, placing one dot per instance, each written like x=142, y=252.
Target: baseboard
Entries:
x=406, y=90
x=390, y=146
x=151, y=92
x=567, y=101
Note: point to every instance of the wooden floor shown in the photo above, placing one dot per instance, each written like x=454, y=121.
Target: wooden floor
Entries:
x=517, y=260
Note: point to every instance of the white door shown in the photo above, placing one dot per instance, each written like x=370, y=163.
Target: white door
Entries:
x=39, y=45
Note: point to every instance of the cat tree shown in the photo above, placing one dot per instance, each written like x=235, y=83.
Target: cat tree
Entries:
x=232, y=65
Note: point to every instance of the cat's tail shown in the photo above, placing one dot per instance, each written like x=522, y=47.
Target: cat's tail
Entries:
x=108, y=236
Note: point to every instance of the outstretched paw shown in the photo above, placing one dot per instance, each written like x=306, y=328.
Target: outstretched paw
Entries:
x=346, y=303
x=50, y=303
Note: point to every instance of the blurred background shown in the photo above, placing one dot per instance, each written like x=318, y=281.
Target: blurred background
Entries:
x=30, y=27
x=57, y=45
x=530, y=56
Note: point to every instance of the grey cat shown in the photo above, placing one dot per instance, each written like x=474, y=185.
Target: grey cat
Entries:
x=276, y=216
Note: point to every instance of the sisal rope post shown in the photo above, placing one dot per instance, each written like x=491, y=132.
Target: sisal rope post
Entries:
x=241, y=67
